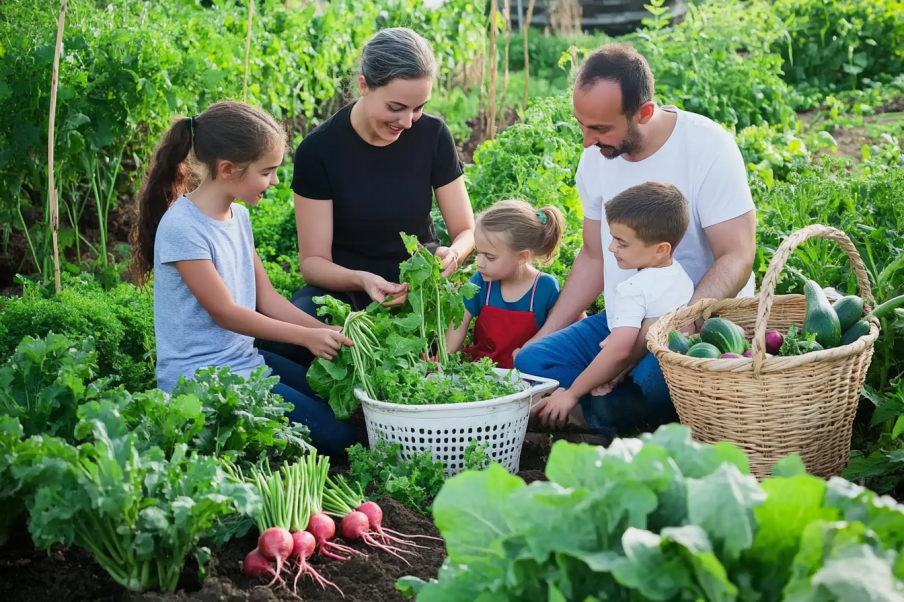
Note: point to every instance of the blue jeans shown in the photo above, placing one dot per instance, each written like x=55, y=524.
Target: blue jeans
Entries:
x=331, y=437
x=641, y=400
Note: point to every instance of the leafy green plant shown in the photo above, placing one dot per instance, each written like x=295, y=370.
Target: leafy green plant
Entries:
x=45, y=381
x=218, y=413
x=662, y=517
x=414, y=481
x=139, y=514
x=120, y=320
x=837, y=43
x=400, y=356
x=881, y=463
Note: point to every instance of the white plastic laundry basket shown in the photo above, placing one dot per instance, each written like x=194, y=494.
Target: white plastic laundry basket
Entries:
x=447, y=429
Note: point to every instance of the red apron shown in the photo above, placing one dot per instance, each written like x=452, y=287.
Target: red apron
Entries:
x=498, y=332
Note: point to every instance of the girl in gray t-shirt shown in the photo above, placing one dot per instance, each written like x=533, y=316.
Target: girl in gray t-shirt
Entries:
x=212, y=296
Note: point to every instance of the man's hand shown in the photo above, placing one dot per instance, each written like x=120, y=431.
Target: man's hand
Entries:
x=553, y=410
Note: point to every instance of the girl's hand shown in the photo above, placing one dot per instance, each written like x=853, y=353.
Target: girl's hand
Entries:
x=450, y=260
x=378, y=289
x=324, y=342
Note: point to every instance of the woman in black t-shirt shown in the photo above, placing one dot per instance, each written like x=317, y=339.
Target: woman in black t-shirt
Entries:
x=369, y=172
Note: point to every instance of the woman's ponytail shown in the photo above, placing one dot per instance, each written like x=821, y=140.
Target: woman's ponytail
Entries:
x=167, y=179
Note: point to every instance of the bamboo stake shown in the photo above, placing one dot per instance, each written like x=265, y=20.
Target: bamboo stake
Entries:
x=491, y=123
x=530, y=13
x=508, y=41
x=51, y=189
x=247, y=50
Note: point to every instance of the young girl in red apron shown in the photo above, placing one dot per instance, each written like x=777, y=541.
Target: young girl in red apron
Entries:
x=514, y=297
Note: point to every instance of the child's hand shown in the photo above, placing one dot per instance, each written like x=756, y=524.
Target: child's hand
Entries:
x=553, y=410
x=324, y=342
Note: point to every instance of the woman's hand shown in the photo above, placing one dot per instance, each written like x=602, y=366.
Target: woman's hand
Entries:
x=379, y=288
x=324, y=342
x=450, y=260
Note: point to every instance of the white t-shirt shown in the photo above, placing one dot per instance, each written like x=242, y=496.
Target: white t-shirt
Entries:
x=649, y=293
x=703, y=161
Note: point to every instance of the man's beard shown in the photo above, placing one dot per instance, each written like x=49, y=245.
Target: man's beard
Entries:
x=630, y=145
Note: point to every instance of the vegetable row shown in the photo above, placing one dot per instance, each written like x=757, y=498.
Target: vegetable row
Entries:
x=145, y=480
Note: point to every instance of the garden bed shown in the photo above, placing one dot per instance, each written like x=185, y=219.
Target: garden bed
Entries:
x=29, y=575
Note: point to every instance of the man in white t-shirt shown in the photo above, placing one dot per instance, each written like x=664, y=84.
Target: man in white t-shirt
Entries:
x=629, y=140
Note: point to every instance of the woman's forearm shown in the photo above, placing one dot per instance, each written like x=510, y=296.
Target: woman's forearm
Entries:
x=463, y=245
x=326, y=274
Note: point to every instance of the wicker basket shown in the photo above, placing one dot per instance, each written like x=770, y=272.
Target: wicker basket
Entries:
x=771, y=407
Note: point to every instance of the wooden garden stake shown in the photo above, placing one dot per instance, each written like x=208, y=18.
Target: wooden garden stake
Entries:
x=491, y=117
x=51, y=189
x=508, y=41
x=530, y=13
x=247, y=51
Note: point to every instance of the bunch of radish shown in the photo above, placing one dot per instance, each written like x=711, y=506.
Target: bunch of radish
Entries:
x=291, y=521
x=363, y=519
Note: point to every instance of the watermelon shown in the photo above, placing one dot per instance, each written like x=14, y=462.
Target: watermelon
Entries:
x=724, y=335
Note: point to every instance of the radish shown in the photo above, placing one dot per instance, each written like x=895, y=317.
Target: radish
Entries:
x=275, y=544
x=303, y=548
x=374, y=516
x=257, y=566
x=774, y=341
x=356, y=525
x=323, y=529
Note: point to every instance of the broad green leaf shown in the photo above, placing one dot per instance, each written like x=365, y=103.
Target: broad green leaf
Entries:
x=845, y=562
x=898, y=428
x=722, y=503
x=892, y=408
x=791, y=465
x=398, y=346
x=470, y=512
x=695, y=460
x=791, y=505
x=882, y=514
x=552, y=518
x=679, y=563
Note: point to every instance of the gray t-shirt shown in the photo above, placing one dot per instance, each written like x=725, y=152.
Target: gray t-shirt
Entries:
x=187, y=337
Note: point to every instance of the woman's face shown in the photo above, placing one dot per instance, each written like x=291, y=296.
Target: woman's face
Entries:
x=393, y=108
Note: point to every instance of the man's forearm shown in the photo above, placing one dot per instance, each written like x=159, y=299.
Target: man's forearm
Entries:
x=724, y=279
x=583, y=285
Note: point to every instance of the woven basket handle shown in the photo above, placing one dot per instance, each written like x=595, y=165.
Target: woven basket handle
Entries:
x=767, y=291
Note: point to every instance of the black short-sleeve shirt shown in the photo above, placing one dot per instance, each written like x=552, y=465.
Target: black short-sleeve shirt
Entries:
x=377, y=191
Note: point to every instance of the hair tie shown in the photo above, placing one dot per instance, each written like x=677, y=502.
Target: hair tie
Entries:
x=542, y=217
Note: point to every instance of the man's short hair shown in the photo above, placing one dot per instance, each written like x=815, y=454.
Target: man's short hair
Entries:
x=620, y=63
x=656, y=211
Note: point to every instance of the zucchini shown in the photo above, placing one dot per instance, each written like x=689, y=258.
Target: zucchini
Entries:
x=848, y=309
x=807, y=346
x=886, y=308
x=678, y=342
x=856, y=331
x=820, y=319
x=724, y=335
x=704, y=350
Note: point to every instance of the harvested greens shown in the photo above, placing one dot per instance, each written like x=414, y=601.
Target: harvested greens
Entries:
x=393, y=357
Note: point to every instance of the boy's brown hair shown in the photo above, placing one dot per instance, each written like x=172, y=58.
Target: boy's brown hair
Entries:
x=656, y=211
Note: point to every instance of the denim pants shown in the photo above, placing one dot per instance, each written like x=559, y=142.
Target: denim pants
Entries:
x=641, y=400
x=329, y=436
x=303, y=299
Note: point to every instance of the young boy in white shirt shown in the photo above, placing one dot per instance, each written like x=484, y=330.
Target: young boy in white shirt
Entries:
x=646, y=221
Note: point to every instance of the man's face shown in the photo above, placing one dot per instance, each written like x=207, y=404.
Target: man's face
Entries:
x=599, y=113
